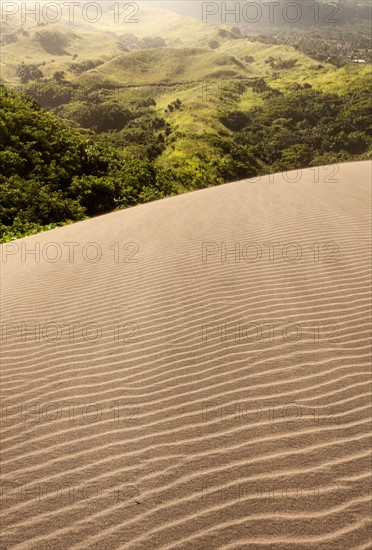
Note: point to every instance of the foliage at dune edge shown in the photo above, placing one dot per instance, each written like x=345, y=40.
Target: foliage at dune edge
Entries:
x=52, y=174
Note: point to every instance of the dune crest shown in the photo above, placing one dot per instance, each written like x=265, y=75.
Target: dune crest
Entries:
x=193, y=372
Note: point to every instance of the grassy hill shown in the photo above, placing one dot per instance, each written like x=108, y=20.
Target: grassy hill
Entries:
x=170, y=66
x=54, y=44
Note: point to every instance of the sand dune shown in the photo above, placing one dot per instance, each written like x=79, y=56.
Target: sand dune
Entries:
x=193, y=373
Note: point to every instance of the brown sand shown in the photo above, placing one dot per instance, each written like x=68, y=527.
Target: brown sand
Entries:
x=198, y=403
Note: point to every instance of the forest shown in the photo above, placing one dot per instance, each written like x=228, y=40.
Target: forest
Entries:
x=52, y=174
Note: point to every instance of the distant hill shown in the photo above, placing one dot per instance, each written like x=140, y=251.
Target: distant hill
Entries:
x=170, y=66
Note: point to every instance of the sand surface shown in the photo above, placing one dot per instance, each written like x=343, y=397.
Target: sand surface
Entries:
x=193, y=373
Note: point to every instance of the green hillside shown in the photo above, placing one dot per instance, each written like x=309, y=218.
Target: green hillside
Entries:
x=170, y=66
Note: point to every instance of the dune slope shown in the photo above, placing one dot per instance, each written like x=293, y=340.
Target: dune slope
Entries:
x=193, y=373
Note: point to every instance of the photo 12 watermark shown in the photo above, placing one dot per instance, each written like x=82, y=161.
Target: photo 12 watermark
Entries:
x=72, y=412
x=69, y=332
x=248, y=412
x=270, y=12
x=270, y=492
x=270, y=252
x=70, y=252
x=14, y=493
x=54, y=12
x=270, y=331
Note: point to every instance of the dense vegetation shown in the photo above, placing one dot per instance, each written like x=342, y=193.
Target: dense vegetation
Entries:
x=307, y=128
x=51, y=175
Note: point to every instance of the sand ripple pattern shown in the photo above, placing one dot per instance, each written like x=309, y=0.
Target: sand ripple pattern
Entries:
x=193, y=373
